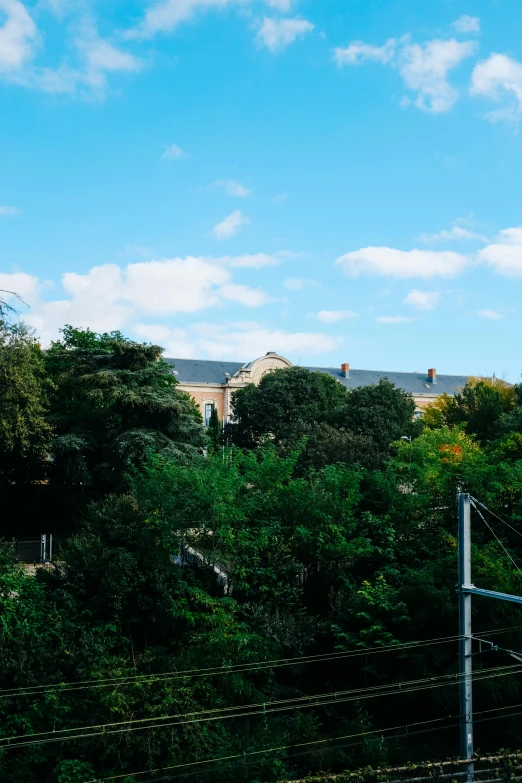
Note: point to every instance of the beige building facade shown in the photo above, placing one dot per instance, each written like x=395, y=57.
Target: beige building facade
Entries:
x=212, y=383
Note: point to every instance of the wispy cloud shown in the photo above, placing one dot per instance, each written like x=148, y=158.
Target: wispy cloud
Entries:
x=490, y=315
x=334, y=316
x=467, y=24
x=280, y=198
x=455, y=233
x=499, y=78
x=276, y=34
x=505, y=253
x=359, y=52
x=422, y=300
x=173, y=152
x=232, y=188
x=19, y=36
x=424, y=68
x=6, y=211
x=298, y=283
x=390, y=262
x=230, y=226
x=393, y=319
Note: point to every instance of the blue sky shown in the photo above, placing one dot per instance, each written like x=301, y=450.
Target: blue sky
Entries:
x=338, y=181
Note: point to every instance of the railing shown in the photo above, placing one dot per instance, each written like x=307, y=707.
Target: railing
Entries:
x=34, y=550
x=487, y=769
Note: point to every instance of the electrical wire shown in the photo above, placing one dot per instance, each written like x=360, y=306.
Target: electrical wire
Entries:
x=261, y=708
x=220, y=670
x=493, y=532
x=307, y=744
x=497, y=516
x=78, y=685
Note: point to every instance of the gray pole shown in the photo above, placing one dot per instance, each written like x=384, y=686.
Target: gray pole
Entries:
x=465, y=642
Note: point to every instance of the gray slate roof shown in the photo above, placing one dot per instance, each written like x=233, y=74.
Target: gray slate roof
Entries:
x=198, y=371
x=203, y=371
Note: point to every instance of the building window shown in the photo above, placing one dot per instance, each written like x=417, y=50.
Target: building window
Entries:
x=209, y=407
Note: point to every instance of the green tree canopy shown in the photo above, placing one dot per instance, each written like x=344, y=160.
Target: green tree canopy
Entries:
x=24, y=432
x=284, y=405
x=114, y=400
x=380, y=412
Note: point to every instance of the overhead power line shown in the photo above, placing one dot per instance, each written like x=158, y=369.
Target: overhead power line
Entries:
x=220, y=670
x=495, y=535
x=518, y=532
x=314, y=743
x=253, y=710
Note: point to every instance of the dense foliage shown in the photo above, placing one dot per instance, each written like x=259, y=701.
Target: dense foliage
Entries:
x=205, y=596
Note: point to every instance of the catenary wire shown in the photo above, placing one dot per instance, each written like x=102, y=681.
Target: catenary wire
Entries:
x=218, y=710
x=235, y=668
x=496, y=516
x=222, y=670
x=498, y=539
x=304, y=744
x=261, y=711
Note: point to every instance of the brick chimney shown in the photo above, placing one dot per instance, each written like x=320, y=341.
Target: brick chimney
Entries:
x=345, y=370
x=432, y=375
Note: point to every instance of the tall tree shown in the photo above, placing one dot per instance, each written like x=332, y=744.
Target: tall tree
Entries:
x=24, y=432
x=114, y=401
x=380, y=412
x=285, y=405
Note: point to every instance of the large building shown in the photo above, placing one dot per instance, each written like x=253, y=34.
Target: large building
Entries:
x=212, y=383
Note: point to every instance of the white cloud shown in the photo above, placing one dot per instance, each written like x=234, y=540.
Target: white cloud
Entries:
x=280, y=5
x=22, y=284
x=393, y=319
x=173, y=152
x=165, y=15
x=230, y=225
x=490, y=315
x=8, y=211
x=455, y=233
x=505, y=254
x=254, y=261
x=111, y=297
x=391, y=262
x=425, y=69
x=334, y=316
x=216, y=341
x=358, y=52
x=500, y=78
x=298, y=283
x=280, y=198
x=467, y=24
x=240, y=341
x=422, y=300
x=251, y=297
x=19, y=36
x=232, y=188
x=277, y=34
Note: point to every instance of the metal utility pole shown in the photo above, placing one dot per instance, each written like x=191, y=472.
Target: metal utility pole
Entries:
x=465, y=641
x=466, y=589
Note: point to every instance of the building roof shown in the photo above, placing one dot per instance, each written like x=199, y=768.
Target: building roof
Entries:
x=414, y=382
x=213, y=372
x=203, y=371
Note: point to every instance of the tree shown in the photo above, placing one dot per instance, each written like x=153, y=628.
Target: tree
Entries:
x=215, y=429
x=284, y=405
x=24, y=432
x=114, y=400
x=480, y=406
x=380, y=412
